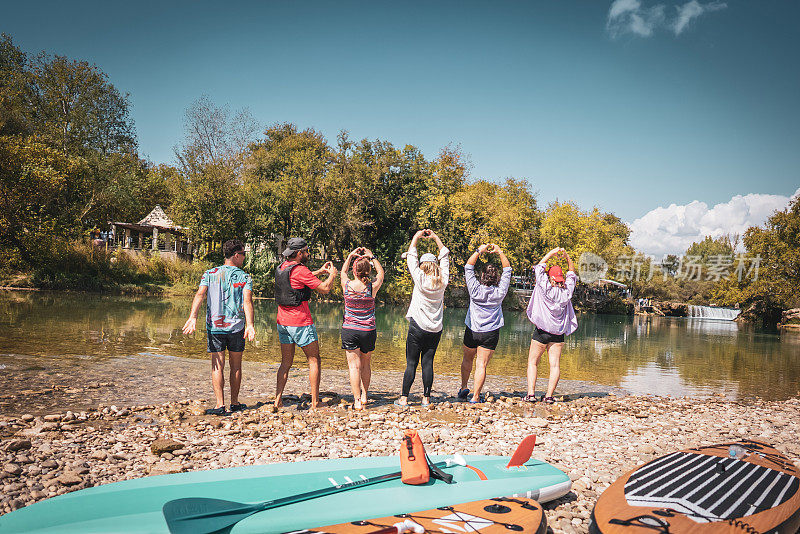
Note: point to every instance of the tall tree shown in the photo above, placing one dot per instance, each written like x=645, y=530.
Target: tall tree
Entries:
x=765, y=281
x=78, y=109
x=16, y=89
x=66, y=139
x=41, y=192
x=284, y=179
x=213, y=135
x=208, y=195
x=565, y=225
x=484, y=212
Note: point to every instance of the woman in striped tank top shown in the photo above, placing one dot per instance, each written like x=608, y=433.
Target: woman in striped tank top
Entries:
x=358, y=326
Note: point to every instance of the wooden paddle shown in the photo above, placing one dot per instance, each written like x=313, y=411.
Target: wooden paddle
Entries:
x=197, y=515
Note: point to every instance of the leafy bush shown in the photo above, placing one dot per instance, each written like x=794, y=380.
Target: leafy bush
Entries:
x=84, y=267
x=261, y=265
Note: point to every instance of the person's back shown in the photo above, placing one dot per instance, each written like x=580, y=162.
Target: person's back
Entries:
x=295, y=325
x=427, y=297
x=359, y=306
x=359, y=333
x=225, y=298
x=293, y=284
x=485, y=301
x=484, y=316
x=424, y=313
x=550, y=307
x=550, y=310
x=228, y=291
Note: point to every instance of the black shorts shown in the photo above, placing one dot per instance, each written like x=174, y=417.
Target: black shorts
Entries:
x=363, y=340
x=545, y=337
x=219, y=341
x=487, y=340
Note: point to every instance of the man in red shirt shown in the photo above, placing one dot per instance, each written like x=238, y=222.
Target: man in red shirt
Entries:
x=293, y=285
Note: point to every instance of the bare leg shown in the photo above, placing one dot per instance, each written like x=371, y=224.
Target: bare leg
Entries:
x=554, y=356
x=366, y=376
x=354, y=363
x=484, y=355
x=535, y=352
x=287, y=357
x=217, y=378
x=314, y=369
x=466, y=366
x=235, y=360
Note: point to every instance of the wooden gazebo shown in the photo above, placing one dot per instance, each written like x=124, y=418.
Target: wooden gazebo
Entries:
x=155, y=234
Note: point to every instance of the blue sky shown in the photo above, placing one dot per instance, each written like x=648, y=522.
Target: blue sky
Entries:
x=628, y=105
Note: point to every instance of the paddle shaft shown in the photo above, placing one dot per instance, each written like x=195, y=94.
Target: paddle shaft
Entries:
x=292, y=499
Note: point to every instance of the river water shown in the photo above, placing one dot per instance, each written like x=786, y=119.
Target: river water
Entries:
x=58, y=340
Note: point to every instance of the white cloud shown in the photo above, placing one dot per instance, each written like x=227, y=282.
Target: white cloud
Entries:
x=692, y=10
x=629, y=16
x=671, y=230
x=623, y=6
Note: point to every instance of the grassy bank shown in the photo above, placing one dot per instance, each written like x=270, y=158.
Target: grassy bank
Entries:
x=79, y=266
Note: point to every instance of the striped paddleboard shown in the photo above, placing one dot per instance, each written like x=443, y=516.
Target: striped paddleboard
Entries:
x=746, y=485
x=493, y=516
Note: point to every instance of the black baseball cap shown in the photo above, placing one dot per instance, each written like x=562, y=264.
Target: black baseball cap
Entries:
x=293, y=245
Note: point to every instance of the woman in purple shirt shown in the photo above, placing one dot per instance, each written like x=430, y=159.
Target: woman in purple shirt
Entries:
x=484, y=317
x=550, y=310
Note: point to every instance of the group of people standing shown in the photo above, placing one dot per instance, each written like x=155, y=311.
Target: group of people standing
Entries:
x=229, y=317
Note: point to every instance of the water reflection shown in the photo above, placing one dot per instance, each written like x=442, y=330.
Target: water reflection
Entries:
x=643, y=354
x=713, y=326
x=653, y=379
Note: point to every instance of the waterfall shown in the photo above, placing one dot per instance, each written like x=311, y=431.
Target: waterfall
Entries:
x=712, y=312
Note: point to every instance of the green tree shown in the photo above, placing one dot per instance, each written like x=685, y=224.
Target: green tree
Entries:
x=78, y=109
x=709, y=248
x=285, y=178
x=485, y=212
x=136, y=188
x=208, y=191
x=16, y=89
x=445, y=176
x=775, y=249
x=565, y=225
x=378, y=191
x=56, y=104
x=41, y=192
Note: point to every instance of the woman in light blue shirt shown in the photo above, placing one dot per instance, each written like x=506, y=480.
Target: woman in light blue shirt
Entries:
x=484, y=317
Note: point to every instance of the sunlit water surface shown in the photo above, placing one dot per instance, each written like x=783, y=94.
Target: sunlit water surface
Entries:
x=63, y=337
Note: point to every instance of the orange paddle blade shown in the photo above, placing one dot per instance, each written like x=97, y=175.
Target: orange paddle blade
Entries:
x=523, y=452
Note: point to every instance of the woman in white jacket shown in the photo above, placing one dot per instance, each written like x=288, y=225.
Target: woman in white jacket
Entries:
x=424, y=313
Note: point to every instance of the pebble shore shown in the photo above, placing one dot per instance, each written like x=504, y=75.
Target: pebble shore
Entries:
x=594, y=437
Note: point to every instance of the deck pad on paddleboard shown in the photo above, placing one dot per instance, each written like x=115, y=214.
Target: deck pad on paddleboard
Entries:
x=136, y=505
x=747, y=485
x=492, y=516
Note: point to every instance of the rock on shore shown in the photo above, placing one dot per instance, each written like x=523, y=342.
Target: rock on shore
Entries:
x=593, y=439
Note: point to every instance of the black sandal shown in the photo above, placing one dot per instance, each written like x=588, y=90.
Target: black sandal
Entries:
x=549, y=400
x=530, y=398
x=216, y=411
x=238, y=407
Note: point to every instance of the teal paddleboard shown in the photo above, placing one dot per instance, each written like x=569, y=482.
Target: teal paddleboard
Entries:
x=136, y=505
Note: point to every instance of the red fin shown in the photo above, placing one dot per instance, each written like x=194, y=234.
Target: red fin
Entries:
x=523, y=452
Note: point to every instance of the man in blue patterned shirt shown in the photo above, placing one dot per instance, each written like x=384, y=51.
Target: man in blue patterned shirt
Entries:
x=229, y=320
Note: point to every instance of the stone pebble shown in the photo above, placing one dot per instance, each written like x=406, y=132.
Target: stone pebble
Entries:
x=593, y=439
